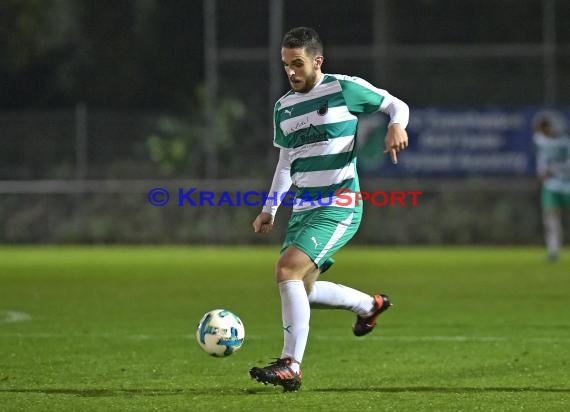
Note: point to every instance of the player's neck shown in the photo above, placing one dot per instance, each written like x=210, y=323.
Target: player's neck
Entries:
x=318, y=80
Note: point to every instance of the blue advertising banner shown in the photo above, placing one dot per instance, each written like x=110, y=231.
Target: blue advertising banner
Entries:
x=456, y=143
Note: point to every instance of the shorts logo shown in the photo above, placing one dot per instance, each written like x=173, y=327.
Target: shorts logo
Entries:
x=314, y=239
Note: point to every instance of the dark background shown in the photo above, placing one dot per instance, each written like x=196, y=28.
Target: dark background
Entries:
x=149, y=54
x=100, y=101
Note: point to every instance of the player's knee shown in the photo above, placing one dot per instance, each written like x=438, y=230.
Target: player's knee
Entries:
x=287, y=270
x=294, y=264
x=284, y=272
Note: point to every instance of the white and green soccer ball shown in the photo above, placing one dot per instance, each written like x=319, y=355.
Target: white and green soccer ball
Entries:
x=220, y=332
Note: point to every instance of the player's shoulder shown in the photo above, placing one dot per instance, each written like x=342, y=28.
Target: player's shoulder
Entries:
x=549, y=143
x=337, y=76
x=356, y=84
x=538, y=137
x=541, y=139
x=347, y=78
x=280, y=101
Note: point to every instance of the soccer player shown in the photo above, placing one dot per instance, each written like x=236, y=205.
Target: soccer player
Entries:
x=553, y=169
x=315, y=130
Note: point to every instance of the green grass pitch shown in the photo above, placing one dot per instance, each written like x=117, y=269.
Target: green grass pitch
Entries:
x=112, y=328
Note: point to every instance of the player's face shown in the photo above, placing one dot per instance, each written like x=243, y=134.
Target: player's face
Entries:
x=548, y=130
x=303, y=70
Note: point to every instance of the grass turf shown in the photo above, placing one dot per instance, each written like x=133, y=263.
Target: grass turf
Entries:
x=112, y=328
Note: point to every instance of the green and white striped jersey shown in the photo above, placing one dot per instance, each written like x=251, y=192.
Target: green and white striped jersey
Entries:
x=553, y=157
x=317, y=130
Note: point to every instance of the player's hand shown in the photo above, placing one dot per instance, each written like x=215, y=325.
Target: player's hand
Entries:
x=263, y=223
x=396, y=140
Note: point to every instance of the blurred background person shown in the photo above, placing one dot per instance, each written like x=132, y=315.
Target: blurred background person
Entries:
x=553, y=169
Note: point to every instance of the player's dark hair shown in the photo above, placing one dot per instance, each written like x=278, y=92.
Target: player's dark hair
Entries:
x=544, y=122
x=303, y=37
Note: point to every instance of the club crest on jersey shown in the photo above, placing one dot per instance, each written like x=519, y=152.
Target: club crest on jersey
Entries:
x=323, y=109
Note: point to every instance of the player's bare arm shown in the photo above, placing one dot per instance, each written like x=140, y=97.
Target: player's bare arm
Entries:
x=396, y=140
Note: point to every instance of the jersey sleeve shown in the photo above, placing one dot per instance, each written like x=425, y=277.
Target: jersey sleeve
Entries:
x=278, y=136
x=360, y=96
x=363, y=97
x=280, y=185
x=398, y=111
x=541, y=159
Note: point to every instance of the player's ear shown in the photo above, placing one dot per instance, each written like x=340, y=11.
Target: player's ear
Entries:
x=318, y=62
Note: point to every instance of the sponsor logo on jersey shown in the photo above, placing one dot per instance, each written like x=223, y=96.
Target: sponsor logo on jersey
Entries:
x=311, y=134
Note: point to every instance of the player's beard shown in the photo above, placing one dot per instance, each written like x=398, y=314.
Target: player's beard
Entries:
x=308, y=83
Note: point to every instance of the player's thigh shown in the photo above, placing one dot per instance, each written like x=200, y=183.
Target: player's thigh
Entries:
x=324, y=231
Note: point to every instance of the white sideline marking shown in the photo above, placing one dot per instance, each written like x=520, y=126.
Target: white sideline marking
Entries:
x=436, y=338
x=13, y=316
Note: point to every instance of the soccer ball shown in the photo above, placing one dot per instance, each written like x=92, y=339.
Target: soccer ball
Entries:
x=220, y=333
